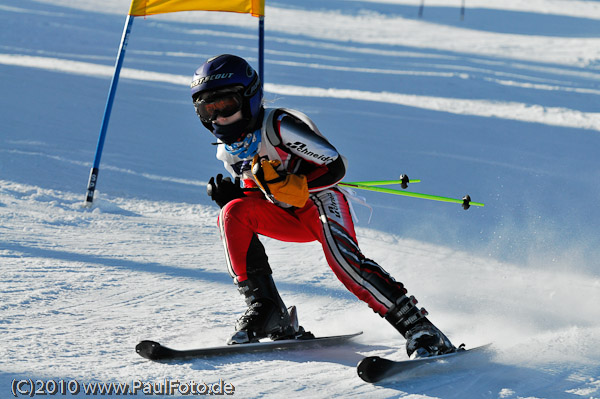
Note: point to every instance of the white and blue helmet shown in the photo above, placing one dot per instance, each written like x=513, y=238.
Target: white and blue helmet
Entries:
x=229, y=73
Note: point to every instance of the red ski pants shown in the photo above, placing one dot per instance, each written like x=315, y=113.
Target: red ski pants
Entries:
x=325, y=218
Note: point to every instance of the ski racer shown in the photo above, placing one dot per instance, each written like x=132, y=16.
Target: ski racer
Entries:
x=289, y=172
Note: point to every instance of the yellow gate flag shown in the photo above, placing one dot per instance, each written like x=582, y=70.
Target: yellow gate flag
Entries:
x=150, y=7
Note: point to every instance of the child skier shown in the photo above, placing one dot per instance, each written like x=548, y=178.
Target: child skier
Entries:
x=289, y=172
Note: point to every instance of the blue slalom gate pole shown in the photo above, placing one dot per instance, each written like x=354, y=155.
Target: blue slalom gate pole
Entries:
x=261, y=49
x=93, y=180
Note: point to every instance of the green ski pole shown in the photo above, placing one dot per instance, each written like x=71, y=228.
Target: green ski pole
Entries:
x=465, y=201
x=403, y=181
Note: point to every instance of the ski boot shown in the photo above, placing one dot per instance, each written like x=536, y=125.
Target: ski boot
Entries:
x=423, y=339
x=266, y=315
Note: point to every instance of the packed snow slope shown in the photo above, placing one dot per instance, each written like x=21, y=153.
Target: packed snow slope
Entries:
x=502, y=105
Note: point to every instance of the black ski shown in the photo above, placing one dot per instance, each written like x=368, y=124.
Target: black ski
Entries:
x=374, y=368
x=154, y=351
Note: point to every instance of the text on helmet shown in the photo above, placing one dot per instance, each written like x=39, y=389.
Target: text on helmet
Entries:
x=204, y=79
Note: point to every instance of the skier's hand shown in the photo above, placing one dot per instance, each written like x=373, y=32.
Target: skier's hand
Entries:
x=222, y=190
x=288, y=188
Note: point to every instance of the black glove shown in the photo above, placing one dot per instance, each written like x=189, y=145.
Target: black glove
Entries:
x=224, y=190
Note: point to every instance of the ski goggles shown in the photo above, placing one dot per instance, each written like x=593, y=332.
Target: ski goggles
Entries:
x=220, y=104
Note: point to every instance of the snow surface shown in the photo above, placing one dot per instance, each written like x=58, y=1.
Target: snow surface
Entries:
x=503, y=105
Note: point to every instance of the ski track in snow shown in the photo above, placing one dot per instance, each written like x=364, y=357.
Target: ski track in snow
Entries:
x=496, y=103
x=77, y=278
